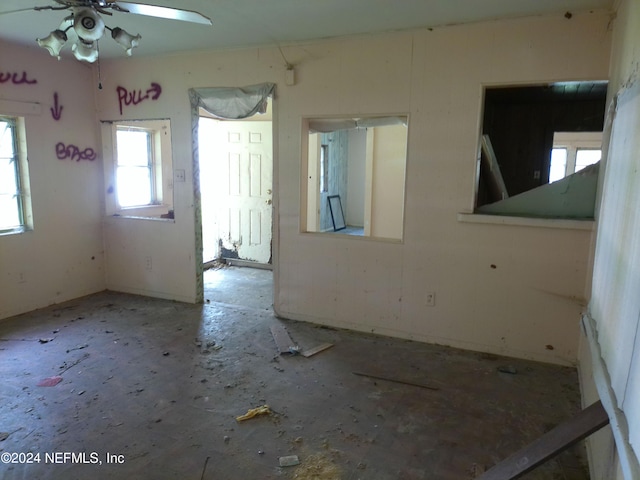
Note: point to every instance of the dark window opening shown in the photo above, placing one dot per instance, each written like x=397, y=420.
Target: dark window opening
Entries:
x=519, y=123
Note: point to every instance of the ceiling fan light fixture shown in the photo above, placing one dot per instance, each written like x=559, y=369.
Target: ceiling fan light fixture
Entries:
x=85, y=51
x=88, y=24
x=125, y=39
x=53, y=42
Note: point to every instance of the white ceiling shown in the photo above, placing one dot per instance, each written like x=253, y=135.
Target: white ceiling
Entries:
x=243, y=23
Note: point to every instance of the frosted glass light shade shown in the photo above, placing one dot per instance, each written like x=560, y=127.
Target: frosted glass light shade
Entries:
x=85, y=51
x=88, y=27
x=125, y=39
x=53, y=42
x=88, y=24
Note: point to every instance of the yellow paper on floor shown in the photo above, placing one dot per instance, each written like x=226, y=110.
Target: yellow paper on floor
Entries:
x=254, y=412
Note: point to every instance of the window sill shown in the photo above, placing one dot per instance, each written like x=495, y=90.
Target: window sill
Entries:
x=15, y=231
x=562, y=223
x=147, y=212
x=155, y=218
x=348, y=236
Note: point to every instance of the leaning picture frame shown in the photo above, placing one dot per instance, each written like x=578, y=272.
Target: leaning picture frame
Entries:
x=337, y=215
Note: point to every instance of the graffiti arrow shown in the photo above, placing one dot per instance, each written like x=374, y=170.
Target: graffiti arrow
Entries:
x=56, y=110
x=155, y=89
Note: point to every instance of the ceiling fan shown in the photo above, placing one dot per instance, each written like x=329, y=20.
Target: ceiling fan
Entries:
x=87, y=24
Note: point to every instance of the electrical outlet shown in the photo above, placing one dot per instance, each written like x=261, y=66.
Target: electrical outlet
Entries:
x=147, y=263
x=431, y=299
x=181, y=175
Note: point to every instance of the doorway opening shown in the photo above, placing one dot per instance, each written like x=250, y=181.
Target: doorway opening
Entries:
x=236, y=165
x=236, y=185
x=233, y=174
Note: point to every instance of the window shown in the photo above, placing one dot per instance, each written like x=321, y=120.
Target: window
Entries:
x=15, y=209
x=359, y=165
x=521, y=157
x=139, y=171
x=573, y=151
x=324, y=168
x=135, y=168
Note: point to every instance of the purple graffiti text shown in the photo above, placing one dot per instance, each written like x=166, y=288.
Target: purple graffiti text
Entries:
x=74, y=153
x=14, y=77
x=125, y=97
x=56, y=110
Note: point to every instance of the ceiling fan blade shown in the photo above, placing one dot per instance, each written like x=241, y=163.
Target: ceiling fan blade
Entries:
x=165, y=12
x=18, y=10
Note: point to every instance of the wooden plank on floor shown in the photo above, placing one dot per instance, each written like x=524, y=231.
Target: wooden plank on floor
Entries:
x=320, y=348
x=282, y=338
x=396, y=380
x=583, y=424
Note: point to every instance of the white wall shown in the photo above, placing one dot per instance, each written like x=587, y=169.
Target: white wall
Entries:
x=63, y=257
x=129, y=241
x=525, y=306
x=615, y=301
x=388, y=180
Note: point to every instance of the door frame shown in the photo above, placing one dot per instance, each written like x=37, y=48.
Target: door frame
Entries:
x=197, y=97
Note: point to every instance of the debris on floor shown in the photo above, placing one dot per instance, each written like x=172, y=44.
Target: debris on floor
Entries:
x=215, y=265
x=282, y=339
x=65, y=367
x=317, y=349
x=396, y=380
x=79, y=347
x=45, y=340
x=253, y=412
x=289, y=461
x=339, y=426
x=508, y=369
x=318, y=467
x=50, y=381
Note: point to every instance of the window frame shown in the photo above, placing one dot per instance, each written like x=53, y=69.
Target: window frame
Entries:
x=573, y=142
x=151, y=166
x=483, y=209
x=373, y=156
x=21, y=172
x=160, y=165
x=324, y=168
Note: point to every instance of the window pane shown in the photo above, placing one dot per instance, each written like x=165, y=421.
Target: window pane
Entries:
x=6, y=140
x=9, y=213
x=324, y=168
x=8, y=184
x=558, y=164
x=586, y=157
x=133, y=147
x=134, y=186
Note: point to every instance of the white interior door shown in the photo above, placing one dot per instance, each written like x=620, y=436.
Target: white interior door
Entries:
x=245, y=166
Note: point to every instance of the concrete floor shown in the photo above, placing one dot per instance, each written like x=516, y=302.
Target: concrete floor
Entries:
x=157, y=385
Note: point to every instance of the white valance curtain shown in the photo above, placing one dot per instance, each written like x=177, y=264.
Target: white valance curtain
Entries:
x=233, y=103
x=327, y=125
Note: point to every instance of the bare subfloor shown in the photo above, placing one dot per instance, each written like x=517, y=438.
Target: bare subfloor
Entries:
x=155, y=387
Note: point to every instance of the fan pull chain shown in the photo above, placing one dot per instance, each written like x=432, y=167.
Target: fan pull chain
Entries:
x=99, y=73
